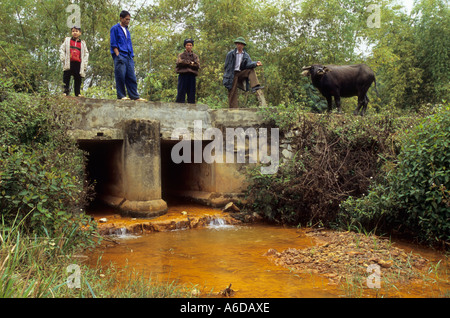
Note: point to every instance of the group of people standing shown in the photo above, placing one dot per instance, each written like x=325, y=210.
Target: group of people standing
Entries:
x=239, y=69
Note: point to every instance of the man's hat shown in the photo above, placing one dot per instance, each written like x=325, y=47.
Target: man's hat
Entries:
x=188, y=41
x=240, y=40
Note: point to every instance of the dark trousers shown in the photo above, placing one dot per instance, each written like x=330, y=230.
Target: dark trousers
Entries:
x=241, y=76
x=75, y=72
x=186, y=86
x=125, y=76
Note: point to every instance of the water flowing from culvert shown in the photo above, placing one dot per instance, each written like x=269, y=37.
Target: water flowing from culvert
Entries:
x=123, y=234
x=212, y=257
x=219, y=223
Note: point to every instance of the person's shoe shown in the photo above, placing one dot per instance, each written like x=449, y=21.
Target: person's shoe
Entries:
x=140, y=100
x=257, y=87
x=124, y=98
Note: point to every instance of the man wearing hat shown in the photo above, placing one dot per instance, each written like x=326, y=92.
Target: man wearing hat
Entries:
x=187, y=67
x=239, y=72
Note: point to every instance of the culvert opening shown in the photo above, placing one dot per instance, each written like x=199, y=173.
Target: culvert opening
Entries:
x=184, y=182
x=103, y=167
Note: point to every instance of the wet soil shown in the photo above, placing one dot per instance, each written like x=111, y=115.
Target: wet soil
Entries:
x=348, y=258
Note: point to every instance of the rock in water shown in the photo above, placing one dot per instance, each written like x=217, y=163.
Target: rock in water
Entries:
x=231, y=207
x=227, y=292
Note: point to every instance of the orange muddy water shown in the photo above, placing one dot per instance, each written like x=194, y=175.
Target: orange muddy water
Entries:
x=212, y=257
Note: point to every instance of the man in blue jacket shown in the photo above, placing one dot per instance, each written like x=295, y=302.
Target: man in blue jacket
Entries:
x=122, y=53
x=239, y=72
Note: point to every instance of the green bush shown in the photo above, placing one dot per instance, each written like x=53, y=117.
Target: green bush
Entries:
x=415, y=195
x=41, y=168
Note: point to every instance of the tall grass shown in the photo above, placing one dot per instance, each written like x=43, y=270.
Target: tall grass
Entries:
x=37, y=267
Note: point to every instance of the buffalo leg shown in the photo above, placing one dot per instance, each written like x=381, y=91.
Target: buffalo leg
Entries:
x=365, y=103
x=360, y=104
x=337, y=100
x=330, y=103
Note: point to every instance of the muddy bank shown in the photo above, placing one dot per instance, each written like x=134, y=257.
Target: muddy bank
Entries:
x=344, y=256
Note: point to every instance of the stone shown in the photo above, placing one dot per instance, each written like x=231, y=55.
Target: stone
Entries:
x=289, y=134
x=231, y=207
x=103, y=220
x=271, y=251
x=287, y=154
x=385, y=264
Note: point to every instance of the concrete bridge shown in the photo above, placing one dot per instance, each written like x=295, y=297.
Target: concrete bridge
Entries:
x=130, y=148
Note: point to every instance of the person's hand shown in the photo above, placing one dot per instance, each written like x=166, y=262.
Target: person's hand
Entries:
x=258, y=63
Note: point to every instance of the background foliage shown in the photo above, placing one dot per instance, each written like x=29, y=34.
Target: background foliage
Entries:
x=409, y=52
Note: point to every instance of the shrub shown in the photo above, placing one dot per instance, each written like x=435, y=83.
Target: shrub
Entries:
x=415, y=196
x=41, y=168
x=336, y=157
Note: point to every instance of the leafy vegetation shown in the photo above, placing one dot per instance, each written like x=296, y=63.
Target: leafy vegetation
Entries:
x=413, y=196
x=41, y=169
x=382, y=173
x=335, y=157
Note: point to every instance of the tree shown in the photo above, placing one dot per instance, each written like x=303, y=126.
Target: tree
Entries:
x=432, y=37
x=409, y=53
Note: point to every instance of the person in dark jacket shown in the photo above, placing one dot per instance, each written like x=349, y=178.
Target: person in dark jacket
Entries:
x=187, y=67
x=122, y=53
x=239, y=72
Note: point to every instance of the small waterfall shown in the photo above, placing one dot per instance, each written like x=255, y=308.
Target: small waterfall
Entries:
x=123, y=233
x=218, y=223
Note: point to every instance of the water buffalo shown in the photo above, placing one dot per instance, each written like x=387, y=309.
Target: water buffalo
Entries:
x=342, y=81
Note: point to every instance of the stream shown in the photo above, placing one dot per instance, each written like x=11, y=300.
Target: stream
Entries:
x=211, y=258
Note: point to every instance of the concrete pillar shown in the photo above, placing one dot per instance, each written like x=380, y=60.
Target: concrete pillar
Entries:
x=142, y=169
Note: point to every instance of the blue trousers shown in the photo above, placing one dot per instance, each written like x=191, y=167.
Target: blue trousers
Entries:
x=125, y=76
x=186, y=85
